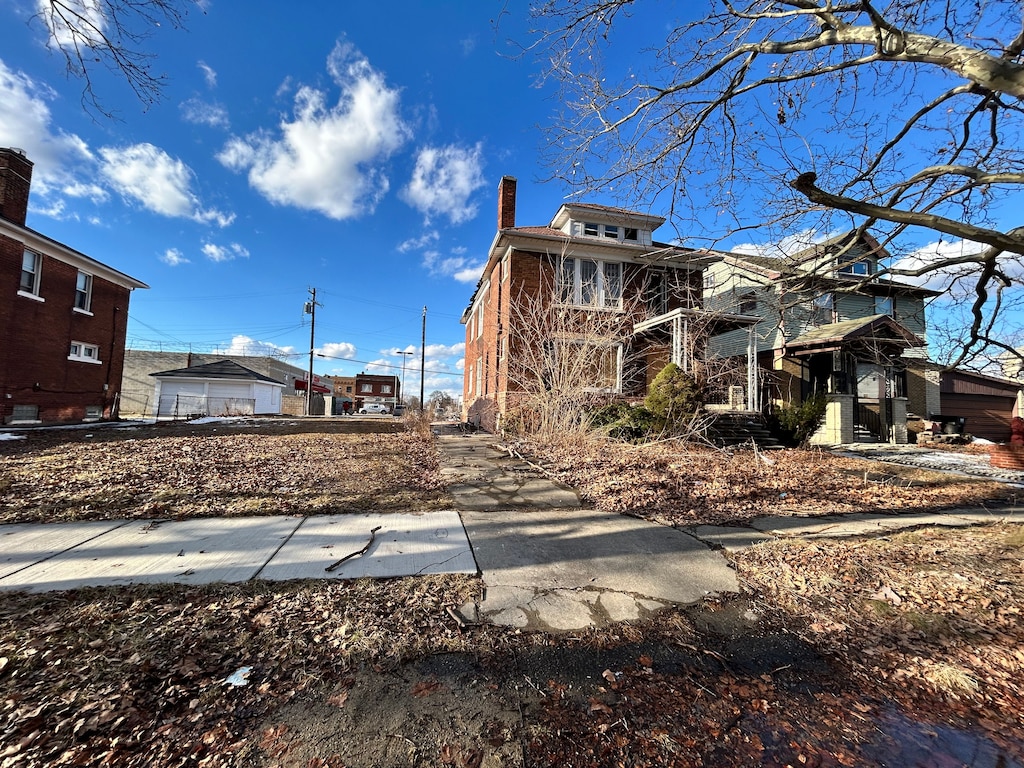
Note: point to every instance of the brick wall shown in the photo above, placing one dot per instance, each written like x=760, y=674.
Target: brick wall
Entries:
x=15, y=180
x=34, y=365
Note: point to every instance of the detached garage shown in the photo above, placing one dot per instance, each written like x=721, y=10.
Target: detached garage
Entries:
x=224, y=388
x=986, y=402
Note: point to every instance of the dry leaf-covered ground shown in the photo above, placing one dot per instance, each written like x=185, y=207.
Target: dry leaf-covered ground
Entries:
x=900, y=650
x=676, y=484
x=262, y=467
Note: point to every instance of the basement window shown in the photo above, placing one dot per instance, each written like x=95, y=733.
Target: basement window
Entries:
x=84, y=353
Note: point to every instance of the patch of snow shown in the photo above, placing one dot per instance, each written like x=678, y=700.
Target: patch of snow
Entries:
x=10, y=436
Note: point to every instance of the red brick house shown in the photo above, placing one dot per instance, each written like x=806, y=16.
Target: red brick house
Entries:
x=632, y=305
x=63, y=317
x=377, y=388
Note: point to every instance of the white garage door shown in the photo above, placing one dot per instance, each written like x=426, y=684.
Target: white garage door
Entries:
x=230, y=399
x=181, y=398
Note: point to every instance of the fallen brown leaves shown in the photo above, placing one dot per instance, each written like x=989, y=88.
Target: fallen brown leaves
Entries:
x=678, y=484
x=217, y=470
x=931, y=619
x=137, y=676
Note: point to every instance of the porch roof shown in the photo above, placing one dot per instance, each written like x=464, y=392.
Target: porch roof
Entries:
x=717, y=322
x=877, y=329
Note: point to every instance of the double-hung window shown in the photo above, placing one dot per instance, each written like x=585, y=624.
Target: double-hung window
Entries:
x=31, y=264
x=590, y=283
x=83, y=292
x=860, y=268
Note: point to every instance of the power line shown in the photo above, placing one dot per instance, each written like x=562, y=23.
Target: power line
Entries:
x=384, y=365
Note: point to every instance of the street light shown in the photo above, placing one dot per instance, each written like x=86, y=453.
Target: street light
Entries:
x=401, y=387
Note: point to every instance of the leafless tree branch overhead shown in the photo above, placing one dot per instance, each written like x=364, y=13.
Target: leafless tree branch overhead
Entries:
x=902, y=116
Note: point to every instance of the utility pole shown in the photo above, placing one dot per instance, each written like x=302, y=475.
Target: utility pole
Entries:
x=310, y=309
x=423, y=357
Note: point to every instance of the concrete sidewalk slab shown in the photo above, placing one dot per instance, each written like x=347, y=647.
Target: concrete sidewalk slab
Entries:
x=568, y=569
x=405, y=545
x=201, y=551
x=24, y=544
x=479, y=476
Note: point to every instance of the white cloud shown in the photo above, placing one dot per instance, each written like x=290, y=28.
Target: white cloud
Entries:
x=173, y=257
x=89, y=28
x=460, y=268
x=93, y=192
x=416, y=243
x=209, y=74
x=219, y=253
x=244, y=345
x=327, y=158
x=442, y=350
x=204, y=113
x=444, y=180
x=25, y=122
x=338, y=349
x=161, y=183
x=787, y=246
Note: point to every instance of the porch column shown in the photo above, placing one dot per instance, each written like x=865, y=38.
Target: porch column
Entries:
x=753, y=396
x=677, y=341
x=837, y=428
x=899, y=420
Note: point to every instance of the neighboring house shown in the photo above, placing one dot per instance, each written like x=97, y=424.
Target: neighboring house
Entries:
x=344, y=394
x=137, y=386
x=377, y=388
x=827, y=325
x=63, y=317
x=223, y=388
x=596, y=263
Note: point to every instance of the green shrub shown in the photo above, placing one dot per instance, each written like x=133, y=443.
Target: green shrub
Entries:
x=674, y=396
x=793, y=425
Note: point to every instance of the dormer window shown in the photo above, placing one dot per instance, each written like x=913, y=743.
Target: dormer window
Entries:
x=590, y=229
x=611, y=231
x=629, y=233
x=860, y=268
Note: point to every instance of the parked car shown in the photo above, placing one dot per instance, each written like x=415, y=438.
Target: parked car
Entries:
x=399, y=410
x=374, y=408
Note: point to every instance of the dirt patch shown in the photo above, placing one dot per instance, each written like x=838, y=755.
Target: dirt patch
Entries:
x=239, y=468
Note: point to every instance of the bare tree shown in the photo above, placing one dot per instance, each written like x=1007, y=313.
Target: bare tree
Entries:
x=111, y=35
x=898, y=117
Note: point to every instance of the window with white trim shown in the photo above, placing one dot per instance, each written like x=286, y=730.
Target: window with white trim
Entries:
x=883, y=305
x=83, y=292
x=31, y=266
x=611, y=231
x=84, y=353
x=861, y=268
x=599, y=365
x=590, y=283
x=366, y=387
x=385, y=389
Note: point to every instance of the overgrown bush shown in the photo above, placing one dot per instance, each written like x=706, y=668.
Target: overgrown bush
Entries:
x=629, y=424
x=674, y=396
x=793, y=425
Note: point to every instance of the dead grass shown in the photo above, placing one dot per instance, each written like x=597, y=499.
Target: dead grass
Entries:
x=248, y=468
x=679, y=484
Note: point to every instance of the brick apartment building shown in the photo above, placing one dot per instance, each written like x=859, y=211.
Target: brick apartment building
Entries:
x=63, y=317
x=377, y=388
x=590, y=260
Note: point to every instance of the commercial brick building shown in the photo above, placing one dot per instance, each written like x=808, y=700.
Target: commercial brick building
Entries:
x=63, y=317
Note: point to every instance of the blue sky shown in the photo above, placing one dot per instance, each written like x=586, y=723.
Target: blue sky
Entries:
x=355, y=148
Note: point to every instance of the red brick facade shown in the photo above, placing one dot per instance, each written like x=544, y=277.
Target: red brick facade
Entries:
x=523, y=266
x=38, y=372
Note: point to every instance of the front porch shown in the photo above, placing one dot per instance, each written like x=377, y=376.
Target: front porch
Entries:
x=684, y=333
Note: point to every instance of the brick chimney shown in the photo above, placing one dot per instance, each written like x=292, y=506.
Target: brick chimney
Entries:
x=507, y=202
x=15, y=180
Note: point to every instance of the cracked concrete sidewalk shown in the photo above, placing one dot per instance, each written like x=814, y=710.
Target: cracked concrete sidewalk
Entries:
x=548, y=562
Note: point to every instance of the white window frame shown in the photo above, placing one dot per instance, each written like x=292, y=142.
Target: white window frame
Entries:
x=885, y=305
x=36, y=272
x=591, y=348
x=366, y=388
x=385, y=389
x=83, y=297
x=859, y=268
x=604, y=297
x=81, y=352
